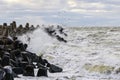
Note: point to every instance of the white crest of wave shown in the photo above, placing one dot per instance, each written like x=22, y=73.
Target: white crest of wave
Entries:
x=37, y=40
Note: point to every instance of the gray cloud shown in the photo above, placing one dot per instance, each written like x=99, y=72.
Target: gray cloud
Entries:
x=68, y=12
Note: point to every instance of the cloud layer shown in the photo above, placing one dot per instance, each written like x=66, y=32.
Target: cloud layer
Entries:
x=64, y=12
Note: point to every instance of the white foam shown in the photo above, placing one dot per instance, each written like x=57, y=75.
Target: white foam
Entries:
x=83, y=47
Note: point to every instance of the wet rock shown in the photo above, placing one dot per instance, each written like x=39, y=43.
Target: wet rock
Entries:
x=5, y=24
x=8, y=73
x=14, y=30
x=60, y=38
x=13, y=53
x=2, y=74
x=23, y=64
x=14, y=24
x=29, y=71
x=42, y=72
x=52, y=31
x=54, y=69
x=117, y=71
x=5, y=60
x=18, y=70
x=32, y=27
x=27, y=26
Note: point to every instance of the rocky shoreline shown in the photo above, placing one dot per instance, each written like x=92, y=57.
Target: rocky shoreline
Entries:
x=13, y=30
x=15, y=59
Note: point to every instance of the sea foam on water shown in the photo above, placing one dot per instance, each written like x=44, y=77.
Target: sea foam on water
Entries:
x=90, y=54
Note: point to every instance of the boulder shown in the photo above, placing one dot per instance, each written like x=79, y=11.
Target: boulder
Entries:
x=42, y=72
x=28, y=71
x=54, y=69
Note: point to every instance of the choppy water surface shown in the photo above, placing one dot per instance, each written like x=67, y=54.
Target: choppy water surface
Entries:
x=90, y=54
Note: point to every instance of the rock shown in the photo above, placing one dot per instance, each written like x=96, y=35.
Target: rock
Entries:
x=23, y=64
x=13, y=53
x=18, y=70
x=2, y=74
x=5, y=24
x=54, y=69
x=52, y=31
x=117, y=71
x=5, y=60
x=60, y=38
x=42, y=72
x=29, y=71
x=8, y=73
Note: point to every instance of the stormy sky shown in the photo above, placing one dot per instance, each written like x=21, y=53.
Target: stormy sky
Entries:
x=63, y=12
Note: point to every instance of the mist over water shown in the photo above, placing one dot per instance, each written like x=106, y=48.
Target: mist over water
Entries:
x=90, y=54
